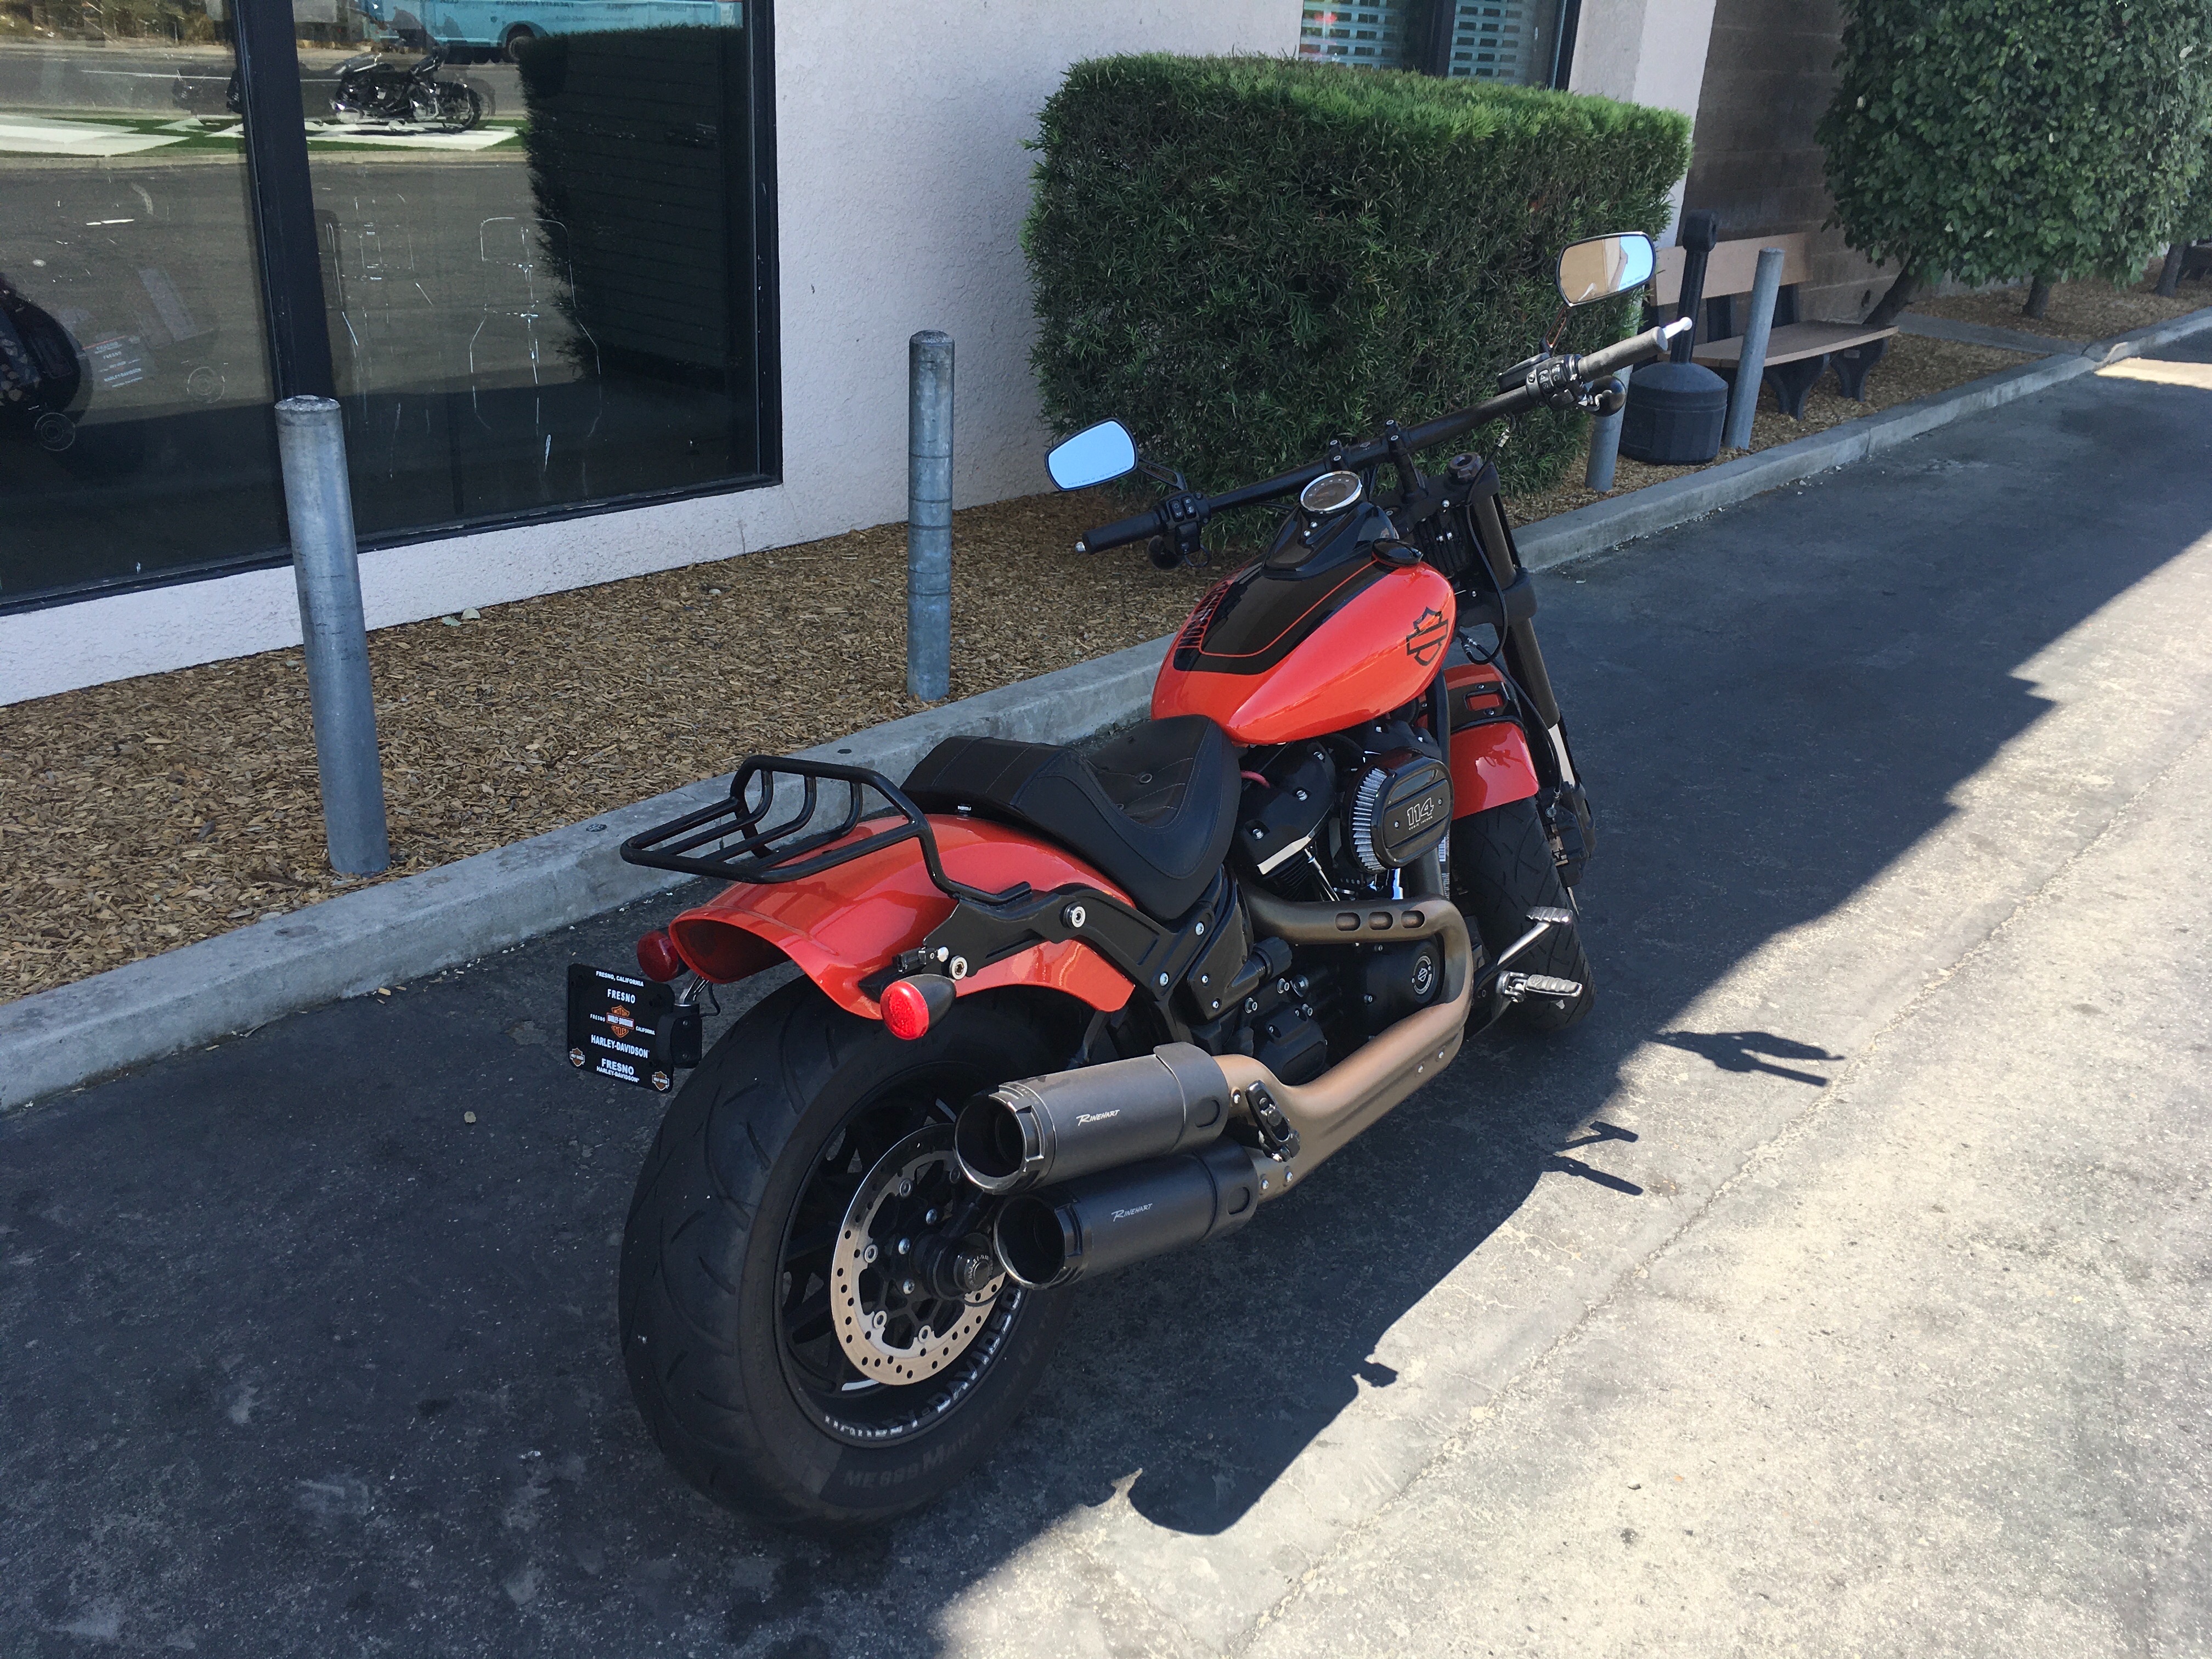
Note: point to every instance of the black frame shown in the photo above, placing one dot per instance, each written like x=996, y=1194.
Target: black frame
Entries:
x=297, y=330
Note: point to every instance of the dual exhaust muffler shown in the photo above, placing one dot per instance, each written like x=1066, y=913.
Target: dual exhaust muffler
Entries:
x=1128, y=1156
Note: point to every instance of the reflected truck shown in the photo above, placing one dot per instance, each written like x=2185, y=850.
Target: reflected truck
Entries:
x=503, y=28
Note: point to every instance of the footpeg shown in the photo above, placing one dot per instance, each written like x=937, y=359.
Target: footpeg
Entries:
x=1551, y=914
x=1514, y=987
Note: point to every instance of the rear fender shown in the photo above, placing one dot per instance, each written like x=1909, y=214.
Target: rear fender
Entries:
x=851, y=920
x=1490, y=760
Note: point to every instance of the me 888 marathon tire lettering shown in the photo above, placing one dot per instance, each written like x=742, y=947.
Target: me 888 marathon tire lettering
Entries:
x=725, y=1306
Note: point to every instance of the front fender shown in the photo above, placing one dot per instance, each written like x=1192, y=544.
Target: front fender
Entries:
x=851, y=920
x=1490, y=760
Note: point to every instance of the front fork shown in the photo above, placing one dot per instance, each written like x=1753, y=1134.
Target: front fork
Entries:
x=1560, y=801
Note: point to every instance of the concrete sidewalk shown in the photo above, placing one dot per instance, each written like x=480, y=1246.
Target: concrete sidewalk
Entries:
x=1895, y=768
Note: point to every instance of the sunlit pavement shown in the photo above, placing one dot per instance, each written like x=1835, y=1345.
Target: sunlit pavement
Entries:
x=1840, y=1287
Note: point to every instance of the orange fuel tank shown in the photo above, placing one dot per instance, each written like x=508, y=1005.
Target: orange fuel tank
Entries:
x=1274, y=655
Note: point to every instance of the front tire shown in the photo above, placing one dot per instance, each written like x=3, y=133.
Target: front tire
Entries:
x=738, y=1373
x=1502, y=868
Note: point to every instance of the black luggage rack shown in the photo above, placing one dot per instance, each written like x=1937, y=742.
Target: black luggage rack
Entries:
x=737, y=847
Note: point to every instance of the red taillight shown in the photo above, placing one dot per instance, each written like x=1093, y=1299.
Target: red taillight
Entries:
x=906, y=1009
x=656, y=956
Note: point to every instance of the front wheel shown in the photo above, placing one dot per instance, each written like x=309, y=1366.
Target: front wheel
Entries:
x=1501, y=869
x=812, y=1318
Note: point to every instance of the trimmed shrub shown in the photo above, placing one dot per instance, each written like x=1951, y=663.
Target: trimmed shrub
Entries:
x=1996, y=139
x=1242, y=258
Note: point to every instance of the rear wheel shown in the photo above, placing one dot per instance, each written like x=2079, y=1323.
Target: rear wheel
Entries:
x=1502, y=868
x=809, y=1329
x=517, y=42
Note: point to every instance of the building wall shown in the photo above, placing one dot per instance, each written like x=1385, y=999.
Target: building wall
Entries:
x=901, y=182
x=1768, y=76
x=1646, y=51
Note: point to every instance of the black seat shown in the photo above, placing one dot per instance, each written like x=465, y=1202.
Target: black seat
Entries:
x=1154, y=809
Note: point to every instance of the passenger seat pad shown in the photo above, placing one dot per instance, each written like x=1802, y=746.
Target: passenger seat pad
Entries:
x=1154, y=808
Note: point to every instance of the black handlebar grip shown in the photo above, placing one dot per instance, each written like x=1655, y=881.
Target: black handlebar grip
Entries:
x=1645, y=348
x=1122, y=533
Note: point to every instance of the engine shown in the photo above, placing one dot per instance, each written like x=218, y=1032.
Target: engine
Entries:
x=1328, y=819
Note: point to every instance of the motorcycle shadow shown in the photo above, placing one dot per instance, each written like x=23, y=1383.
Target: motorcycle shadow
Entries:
x=1196, y=1382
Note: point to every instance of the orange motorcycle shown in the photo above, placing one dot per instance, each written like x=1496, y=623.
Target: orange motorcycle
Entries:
x=1058, y=1010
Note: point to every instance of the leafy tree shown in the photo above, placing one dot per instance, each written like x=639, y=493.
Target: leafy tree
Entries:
x=1994, y=139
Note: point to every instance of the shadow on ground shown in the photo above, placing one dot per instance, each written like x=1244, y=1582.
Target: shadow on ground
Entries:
x=297, y=1359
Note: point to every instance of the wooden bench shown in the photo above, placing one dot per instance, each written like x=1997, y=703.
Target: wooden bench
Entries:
x=1796, y=353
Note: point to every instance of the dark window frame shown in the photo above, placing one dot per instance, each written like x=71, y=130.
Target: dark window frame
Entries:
x=296, y=332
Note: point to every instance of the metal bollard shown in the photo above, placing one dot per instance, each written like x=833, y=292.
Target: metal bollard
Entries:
x=311, y=443
x=1605, y=441
x=929, y=516
x=1751, y=365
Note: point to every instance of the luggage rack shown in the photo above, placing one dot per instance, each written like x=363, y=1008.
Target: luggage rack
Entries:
x=739, y=847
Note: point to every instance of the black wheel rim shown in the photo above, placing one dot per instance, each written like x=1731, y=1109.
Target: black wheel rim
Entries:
x=828, y=1386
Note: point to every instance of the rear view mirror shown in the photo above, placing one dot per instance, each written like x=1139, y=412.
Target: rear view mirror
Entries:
x=1603, y=266
x=1092, y=456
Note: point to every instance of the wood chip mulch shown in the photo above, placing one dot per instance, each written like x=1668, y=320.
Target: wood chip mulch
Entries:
x=152, y=813
x=2078, y=310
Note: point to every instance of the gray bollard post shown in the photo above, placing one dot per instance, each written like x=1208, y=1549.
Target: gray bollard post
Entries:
x=1605, y=441
x=929, y=516
x=310, y=445
x=1751, y=365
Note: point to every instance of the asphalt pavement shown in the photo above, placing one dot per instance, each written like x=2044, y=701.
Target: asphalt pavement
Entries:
x=1838, y=1287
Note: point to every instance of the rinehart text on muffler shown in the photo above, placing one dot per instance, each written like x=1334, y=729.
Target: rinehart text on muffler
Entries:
x=1133, y=1149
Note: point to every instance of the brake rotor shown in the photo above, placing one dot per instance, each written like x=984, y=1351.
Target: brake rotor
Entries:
x=893, y=1324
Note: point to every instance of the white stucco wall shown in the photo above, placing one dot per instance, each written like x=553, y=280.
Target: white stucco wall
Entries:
x=1644, y=52
x=901, y=182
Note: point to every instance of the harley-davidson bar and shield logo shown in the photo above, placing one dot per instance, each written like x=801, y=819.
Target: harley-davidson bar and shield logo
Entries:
x=1428, y=637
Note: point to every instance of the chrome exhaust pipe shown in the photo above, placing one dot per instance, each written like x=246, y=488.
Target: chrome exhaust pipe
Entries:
x=1106, y=1221
x=1069, y=1124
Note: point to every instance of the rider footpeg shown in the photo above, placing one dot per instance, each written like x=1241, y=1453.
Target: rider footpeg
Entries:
x=1514, y=987
x=1556, y=917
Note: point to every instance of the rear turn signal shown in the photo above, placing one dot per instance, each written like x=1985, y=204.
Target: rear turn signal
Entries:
x=656, y=956
x=912, y=1004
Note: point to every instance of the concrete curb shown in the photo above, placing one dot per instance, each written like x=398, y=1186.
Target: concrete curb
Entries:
x=77, y=1034
x=1566, y=537
x=2008, y=339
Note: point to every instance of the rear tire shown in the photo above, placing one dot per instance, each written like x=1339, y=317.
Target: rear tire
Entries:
x=715, y=1299
x=1502, y=868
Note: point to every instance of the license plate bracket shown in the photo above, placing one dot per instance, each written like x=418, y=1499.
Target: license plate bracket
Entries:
x=629, y=1029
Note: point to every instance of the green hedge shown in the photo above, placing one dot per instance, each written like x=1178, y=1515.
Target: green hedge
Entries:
x=1244, y=256
x=1996, y=139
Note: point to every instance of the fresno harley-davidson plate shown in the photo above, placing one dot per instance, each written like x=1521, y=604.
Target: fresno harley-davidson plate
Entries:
x=629, y=1028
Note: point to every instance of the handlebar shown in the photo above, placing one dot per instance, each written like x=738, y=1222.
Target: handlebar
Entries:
x=1644, y=348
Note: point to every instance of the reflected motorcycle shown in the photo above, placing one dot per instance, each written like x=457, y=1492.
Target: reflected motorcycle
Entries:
x=1058, y=1010
x=372, y=88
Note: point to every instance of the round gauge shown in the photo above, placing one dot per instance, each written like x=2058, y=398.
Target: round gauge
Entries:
x=1332, y=492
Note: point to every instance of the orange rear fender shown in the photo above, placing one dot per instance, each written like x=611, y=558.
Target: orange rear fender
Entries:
x=844, y=924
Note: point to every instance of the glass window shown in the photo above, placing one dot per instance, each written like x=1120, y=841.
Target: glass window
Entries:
x=540, y=229
x=539, y=256
x=135, y=437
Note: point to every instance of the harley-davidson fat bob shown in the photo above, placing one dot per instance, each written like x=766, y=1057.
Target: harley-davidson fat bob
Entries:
x=1058, y=1010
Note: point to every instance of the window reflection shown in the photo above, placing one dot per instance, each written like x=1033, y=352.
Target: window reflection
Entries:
x=134, y=432
x=537, y=236
x=553, y=303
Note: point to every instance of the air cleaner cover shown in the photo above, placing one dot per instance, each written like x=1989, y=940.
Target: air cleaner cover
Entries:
x=1400, y=808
